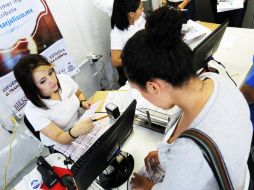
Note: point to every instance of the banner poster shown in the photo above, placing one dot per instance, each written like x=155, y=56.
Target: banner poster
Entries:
x=28, y=27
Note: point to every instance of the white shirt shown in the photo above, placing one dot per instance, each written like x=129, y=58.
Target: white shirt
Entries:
x=120, y=37
x=63, y=113
x=226, y=119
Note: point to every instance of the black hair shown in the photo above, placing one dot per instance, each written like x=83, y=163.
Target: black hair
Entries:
x=121, y=8
x=158, y=51
x=23, y=72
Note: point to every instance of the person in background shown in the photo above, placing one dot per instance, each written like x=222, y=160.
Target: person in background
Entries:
x=187, y=7
x=127, y=18
x=235, y=17
x=53, y=101
x=159, y=65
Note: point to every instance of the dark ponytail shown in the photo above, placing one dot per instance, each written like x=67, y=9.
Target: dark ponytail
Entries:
x=158, y=51
x=121, y=8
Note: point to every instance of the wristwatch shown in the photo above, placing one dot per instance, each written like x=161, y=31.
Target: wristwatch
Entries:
x=81, y=101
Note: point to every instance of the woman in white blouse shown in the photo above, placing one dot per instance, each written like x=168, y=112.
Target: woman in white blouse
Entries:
x=127, y=18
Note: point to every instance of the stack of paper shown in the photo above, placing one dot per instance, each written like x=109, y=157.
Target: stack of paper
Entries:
x=193, y=30
x=90, y=112
x=227, y=5
x=78, y=147
x=156, y=175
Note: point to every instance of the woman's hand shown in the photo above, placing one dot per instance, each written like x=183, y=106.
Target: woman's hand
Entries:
x=152, y=160
x=82, y=127
x=181, y=6
x=139, y=182
x=86, y=104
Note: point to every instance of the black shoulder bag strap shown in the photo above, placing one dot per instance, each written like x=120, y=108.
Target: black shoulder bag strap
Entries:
x=212, y=155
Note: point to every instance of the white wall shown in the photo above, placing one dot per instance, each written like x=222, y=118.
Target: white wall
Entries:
x=85, y=29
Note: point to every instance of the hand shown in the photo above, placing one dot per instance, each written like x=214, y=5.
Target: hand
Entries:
x=86, y=105
x=139, y=182
x=164, y=2
x=82, y=127
x=181, y=6
x=152, y=159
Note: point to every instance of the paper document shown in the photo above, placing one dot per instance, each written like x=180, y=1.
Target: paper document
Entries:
x=123, y=99
x=90, y=112
x=227, y=5
x=156, y=175
x=120, y=98
x=193, y=30
x=143, y=103
x=80, y=145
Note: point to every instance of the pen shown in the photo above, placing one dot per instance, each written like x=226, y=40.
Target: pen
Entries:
x=99, y=118
x=150, y=171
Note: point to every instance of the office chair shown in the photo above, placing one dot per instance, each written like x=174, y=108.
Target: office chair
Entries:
x=31, y=129
x=37, y=135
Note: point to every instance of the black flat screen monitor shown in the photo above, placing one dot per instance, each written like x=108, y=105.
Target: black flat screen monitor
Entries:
x=203, y=51
x=97, y=158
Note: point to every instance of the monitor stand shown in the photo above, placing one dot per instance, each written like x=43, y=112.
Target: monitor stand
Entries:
x=210, y=69
x=207, y=68
x=122, y=170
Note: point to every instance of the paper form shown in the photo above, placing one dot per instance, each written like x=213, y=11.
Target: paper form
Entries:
x=156, y=175
x=80, y=145
x=120, y=98
x=227, y=5
x=90, y=112
x=123, y=99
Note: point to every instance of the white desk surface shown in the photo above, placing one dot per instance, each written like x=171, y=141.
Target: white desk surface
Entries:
x=238, y=61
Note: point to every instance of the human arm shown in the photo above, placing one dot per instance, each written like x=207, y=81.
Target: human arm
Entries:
x=139, y=182
x=55, y=133
x=82, y=99
x=183, y=4
x=248, y=93
x=152, y=159
x=248, y=88
x=116, y=45
x=116, y=59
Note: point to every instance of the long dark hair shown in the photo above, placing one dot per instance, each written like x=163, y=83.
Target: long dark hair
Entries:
x=158, y=51
x=121, y=8
x=23, y=72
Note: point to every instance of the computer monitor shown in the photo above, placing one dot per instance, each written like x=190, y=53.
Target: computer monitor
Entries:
x=203, y=51
x=91, y=164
